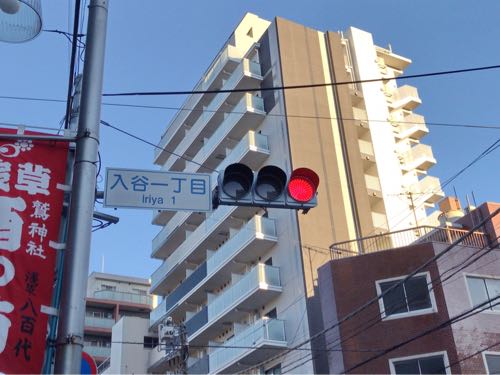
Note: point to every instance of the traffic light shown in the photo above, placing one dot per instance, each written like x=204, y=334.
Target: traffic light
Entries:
x=270, y=187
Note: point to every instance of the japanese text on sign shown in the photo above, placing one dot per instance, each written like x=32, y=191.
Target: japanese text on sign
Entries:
x=30, y=206
x=157, y=190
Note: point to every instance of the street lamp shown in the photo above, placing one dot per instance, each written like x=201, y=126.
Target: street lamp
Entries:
x=20, y=20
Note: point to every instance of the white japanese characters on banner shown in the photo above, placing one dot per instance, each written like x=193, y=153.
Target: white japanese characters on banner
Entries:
x=30, y=214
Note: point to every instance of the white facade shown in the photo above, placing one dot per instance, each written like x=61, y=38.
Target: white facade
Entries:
x=236, y=276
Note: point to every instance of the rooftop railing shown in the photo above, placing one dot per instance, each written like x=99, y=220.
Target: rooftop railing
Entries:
x=405, y=237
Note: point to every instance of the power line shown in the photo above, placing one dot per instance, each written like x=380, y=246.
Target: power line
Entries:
x=204, y=110
x=305, y=86
x=381, y=295
x=361, y=328
x=486, y=305
x=154, y=145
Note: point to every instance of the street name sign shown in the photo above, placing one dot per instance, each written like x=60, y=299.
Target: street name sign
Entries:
x=157, y=190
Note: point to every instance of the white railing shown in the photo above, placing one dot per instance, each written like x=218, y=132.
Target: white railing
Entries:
x=258, y=227
x=418, y=153
x=190, y=244
x=272, y=330
x=261, y=276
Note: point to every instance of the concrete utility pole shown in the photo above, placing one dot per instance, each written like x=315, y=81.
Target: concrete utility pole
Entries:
x=77, y=253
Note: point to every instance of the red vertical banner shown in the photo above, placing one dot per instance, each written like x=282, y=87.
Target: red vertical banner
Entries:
x=31, y=200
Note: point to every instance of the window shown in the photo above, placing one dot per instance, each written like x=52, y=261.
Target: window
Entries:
x=492, y=362
x=435, y=363
x=482, y=289
x=276, y=370
x=413, y=297
x=108, y=287
x=150, y=342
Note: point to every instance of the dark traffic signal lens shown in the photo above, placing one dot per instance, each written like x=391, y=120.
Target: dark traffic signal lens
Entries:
x=270, y=182
x=237, y=181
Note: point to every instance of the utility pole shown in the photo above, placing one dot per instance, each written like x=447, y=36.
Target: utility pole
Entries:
x=173, y=338
x=77, y=253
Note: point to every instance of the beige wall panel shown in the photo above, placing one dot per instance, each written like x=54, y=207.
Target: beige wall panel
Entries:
x=336, y=53
x=311, y=141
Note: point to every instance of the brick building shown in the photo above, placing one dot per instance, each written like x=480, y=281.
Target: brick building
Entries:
x=464, y=277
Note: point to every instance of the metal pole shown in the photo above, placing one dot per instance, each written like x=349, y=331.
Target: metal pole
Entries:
x=76, y=259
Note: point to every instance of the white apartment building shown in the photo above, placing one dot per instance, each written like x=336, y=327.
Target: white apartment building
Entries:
x=110, y=298
x=243, y=280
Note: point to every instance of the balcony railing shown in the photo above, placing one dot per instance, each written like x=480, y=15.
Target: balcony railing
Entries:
x=265, y=331
x=406, y=97
x=247, y=70
x=412, y=126
x=189, y=245
x=142, y=299
x=428, y=189
x=98, y=351
x=418, y=157
x=252, y=150
x=260, y=277
x=405, y=237
x=260, y=231
x=92, y=321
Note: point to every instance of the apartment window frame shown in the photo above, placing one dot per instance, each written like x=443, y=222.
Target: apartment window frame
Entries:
x=429, y=310
x=484, y=354
x=469, y=294
x=446, y=362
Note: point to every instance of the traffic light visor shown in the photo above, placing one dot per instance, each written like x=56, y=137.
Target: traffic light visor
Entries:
x=237, y=180
x=303, y=184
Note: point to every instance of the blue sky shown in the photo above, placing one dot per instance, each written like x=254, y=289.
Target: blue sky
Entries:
x=165, y=45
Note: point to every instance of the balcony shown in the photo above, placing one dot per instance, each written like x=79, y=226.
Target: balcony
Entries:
x=101, y=323
x=172, y=235
x=418, y=157
x=413, y=126
x=179, y=137
x=249, y=347
x=428, y=190
x=366, y=149
x=227, y=60
x=252, y=150
x=98, y=351
x=253, y=240
x=379, y=222
x=405, y=97
x=393, y=60
x=141, y=299
x=213, y=132
x=373, y=186
x=257, y=287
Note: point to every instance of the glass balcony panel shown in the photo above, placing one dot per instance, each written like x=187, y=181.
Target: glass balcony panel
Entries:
x=258, y=226
x=142, y=299
x=92, y=321
x=98, y=351
x=197, y=321
x=190, y=245
x=239, y=348
x=259, y=276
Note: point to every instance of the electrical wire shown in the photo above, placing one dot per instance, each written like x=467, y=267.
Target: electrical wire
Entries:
x=428, y=123
x=431, y=285
x=486, y=305
x=105, y=123
x=381, y=295
x=304, y=86
x=74, y=44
